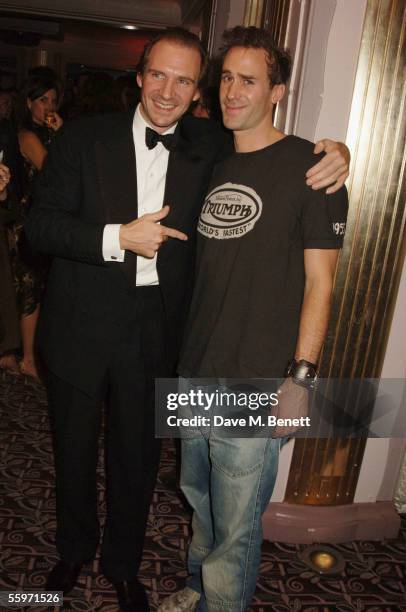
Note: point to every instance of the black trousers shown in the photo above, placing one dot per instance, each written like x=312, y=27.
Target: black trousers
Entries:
x=132, y=452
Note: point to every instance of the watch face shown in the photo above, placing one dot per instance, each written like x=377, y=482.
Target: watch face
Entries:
x=304, y=373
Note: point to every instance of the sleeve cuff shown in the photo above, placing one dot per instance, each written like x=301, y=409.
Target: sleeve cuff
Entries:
x=323, y=244
x=111, y=243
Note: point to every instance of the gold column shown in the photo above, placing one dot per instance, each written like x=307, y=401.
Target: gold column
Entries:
x=325, y=472
x=270, y=14
x=400, y=493
x=276, y=17
x=253, y=15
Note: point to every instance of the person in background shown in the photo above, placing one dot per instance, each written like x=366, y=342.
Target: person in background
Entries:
x=97, y=96
x=11, y=158
x=5, y=105
x=127, y=92
x=38, y=121
x=208, y=105
x=10, y=337
x=9, y=147
x=71, y=106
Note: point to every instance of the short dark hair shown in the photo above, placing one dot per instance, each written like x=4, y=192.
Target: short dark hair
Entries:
x=178, y=36
x=279, y=60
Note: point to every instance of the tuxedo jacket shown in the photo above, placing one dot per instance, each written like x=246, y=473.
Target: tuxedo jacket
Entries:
x=89, y=179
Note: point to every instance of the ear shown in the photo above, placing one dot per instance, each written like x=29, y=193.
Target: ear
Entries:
x=139, y=79
x=29, y=104
x=196, y=96
x=278, y=91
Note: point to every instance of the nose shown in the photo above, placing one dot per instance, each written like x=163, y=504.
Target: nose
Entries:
x=232, y=90
x=167, y=89
x=50, y=106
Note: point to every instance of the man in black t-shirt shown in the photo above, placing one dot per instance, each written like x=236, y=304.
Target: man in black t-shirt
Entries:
x=267, y=252
x=253, y=244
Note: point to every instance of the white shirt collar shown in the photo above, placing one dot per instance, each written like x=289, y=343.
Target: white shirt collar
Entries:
x=139, y=126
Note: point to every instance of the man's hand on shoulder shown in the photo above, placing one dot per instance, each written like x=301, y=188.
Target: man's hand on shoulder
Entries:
x=333, y=170
x=145, y=235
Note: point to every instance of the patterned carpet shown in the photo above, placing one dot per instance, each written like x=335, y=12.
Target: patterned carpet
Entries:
x=374, y=577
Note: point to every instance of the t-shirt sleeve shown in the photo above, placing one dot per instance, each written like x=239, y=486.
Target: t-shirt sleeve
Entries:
x=324, y=219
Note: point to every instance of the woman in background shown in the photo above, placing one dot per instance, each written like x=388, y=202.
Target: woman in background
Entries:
x=9, y=329
x=38, y=121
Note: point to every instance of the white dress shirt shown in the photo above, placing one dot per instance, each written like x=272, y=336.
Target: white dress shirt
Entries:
x=152, y=165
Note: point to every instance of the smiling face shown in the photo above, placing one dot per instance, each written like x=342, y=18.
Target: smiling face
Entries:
x=169, y=83
x=42, y=105
x=246, y=95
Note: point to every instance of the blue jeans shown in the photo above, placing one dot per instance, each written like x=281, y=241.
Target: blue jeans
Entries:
x=228, y=482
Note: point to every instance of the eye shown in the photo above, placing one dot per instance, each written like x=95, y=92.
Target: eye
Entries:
x=184, y=81
x=157, y=75
x=226, y=78
x=248, y=82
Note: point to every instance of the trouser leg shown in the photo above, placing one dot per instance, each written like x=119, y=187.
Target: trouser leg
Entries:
x=132, y=455
x=75, y=423
x=132, y=450
x=242, y=479
x=195, y=484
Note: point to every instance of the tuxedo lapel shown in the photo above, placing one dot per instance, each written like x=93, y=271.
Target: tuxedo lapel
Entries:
x=117, y=172
x=181, y=179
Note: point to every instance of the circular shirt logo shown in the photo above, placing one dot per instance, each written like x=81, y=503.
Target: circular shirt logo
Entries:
x=229, y=211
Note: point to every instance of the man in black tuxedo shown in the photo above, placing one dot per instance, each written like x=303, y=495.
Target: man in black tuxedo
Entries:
x=117, y=297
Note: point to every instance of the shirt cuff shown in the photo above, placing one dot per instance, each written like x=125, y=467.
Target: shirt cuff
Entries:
x=111, y=243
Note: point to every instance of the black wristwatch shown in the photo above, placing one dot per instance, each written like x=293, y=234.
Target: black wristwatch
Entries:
x=303, y=373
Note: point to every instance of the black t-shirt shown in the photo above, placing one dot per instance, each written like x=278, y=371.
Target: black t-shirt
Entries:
x=255, y=223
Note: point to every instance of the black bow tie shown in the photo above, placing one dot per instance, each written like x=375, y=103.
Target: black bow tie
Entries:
x=152, y=138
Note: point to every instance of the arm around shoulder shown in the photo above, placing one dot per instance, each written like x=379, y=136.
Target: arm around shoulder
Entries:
x=334, y=168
